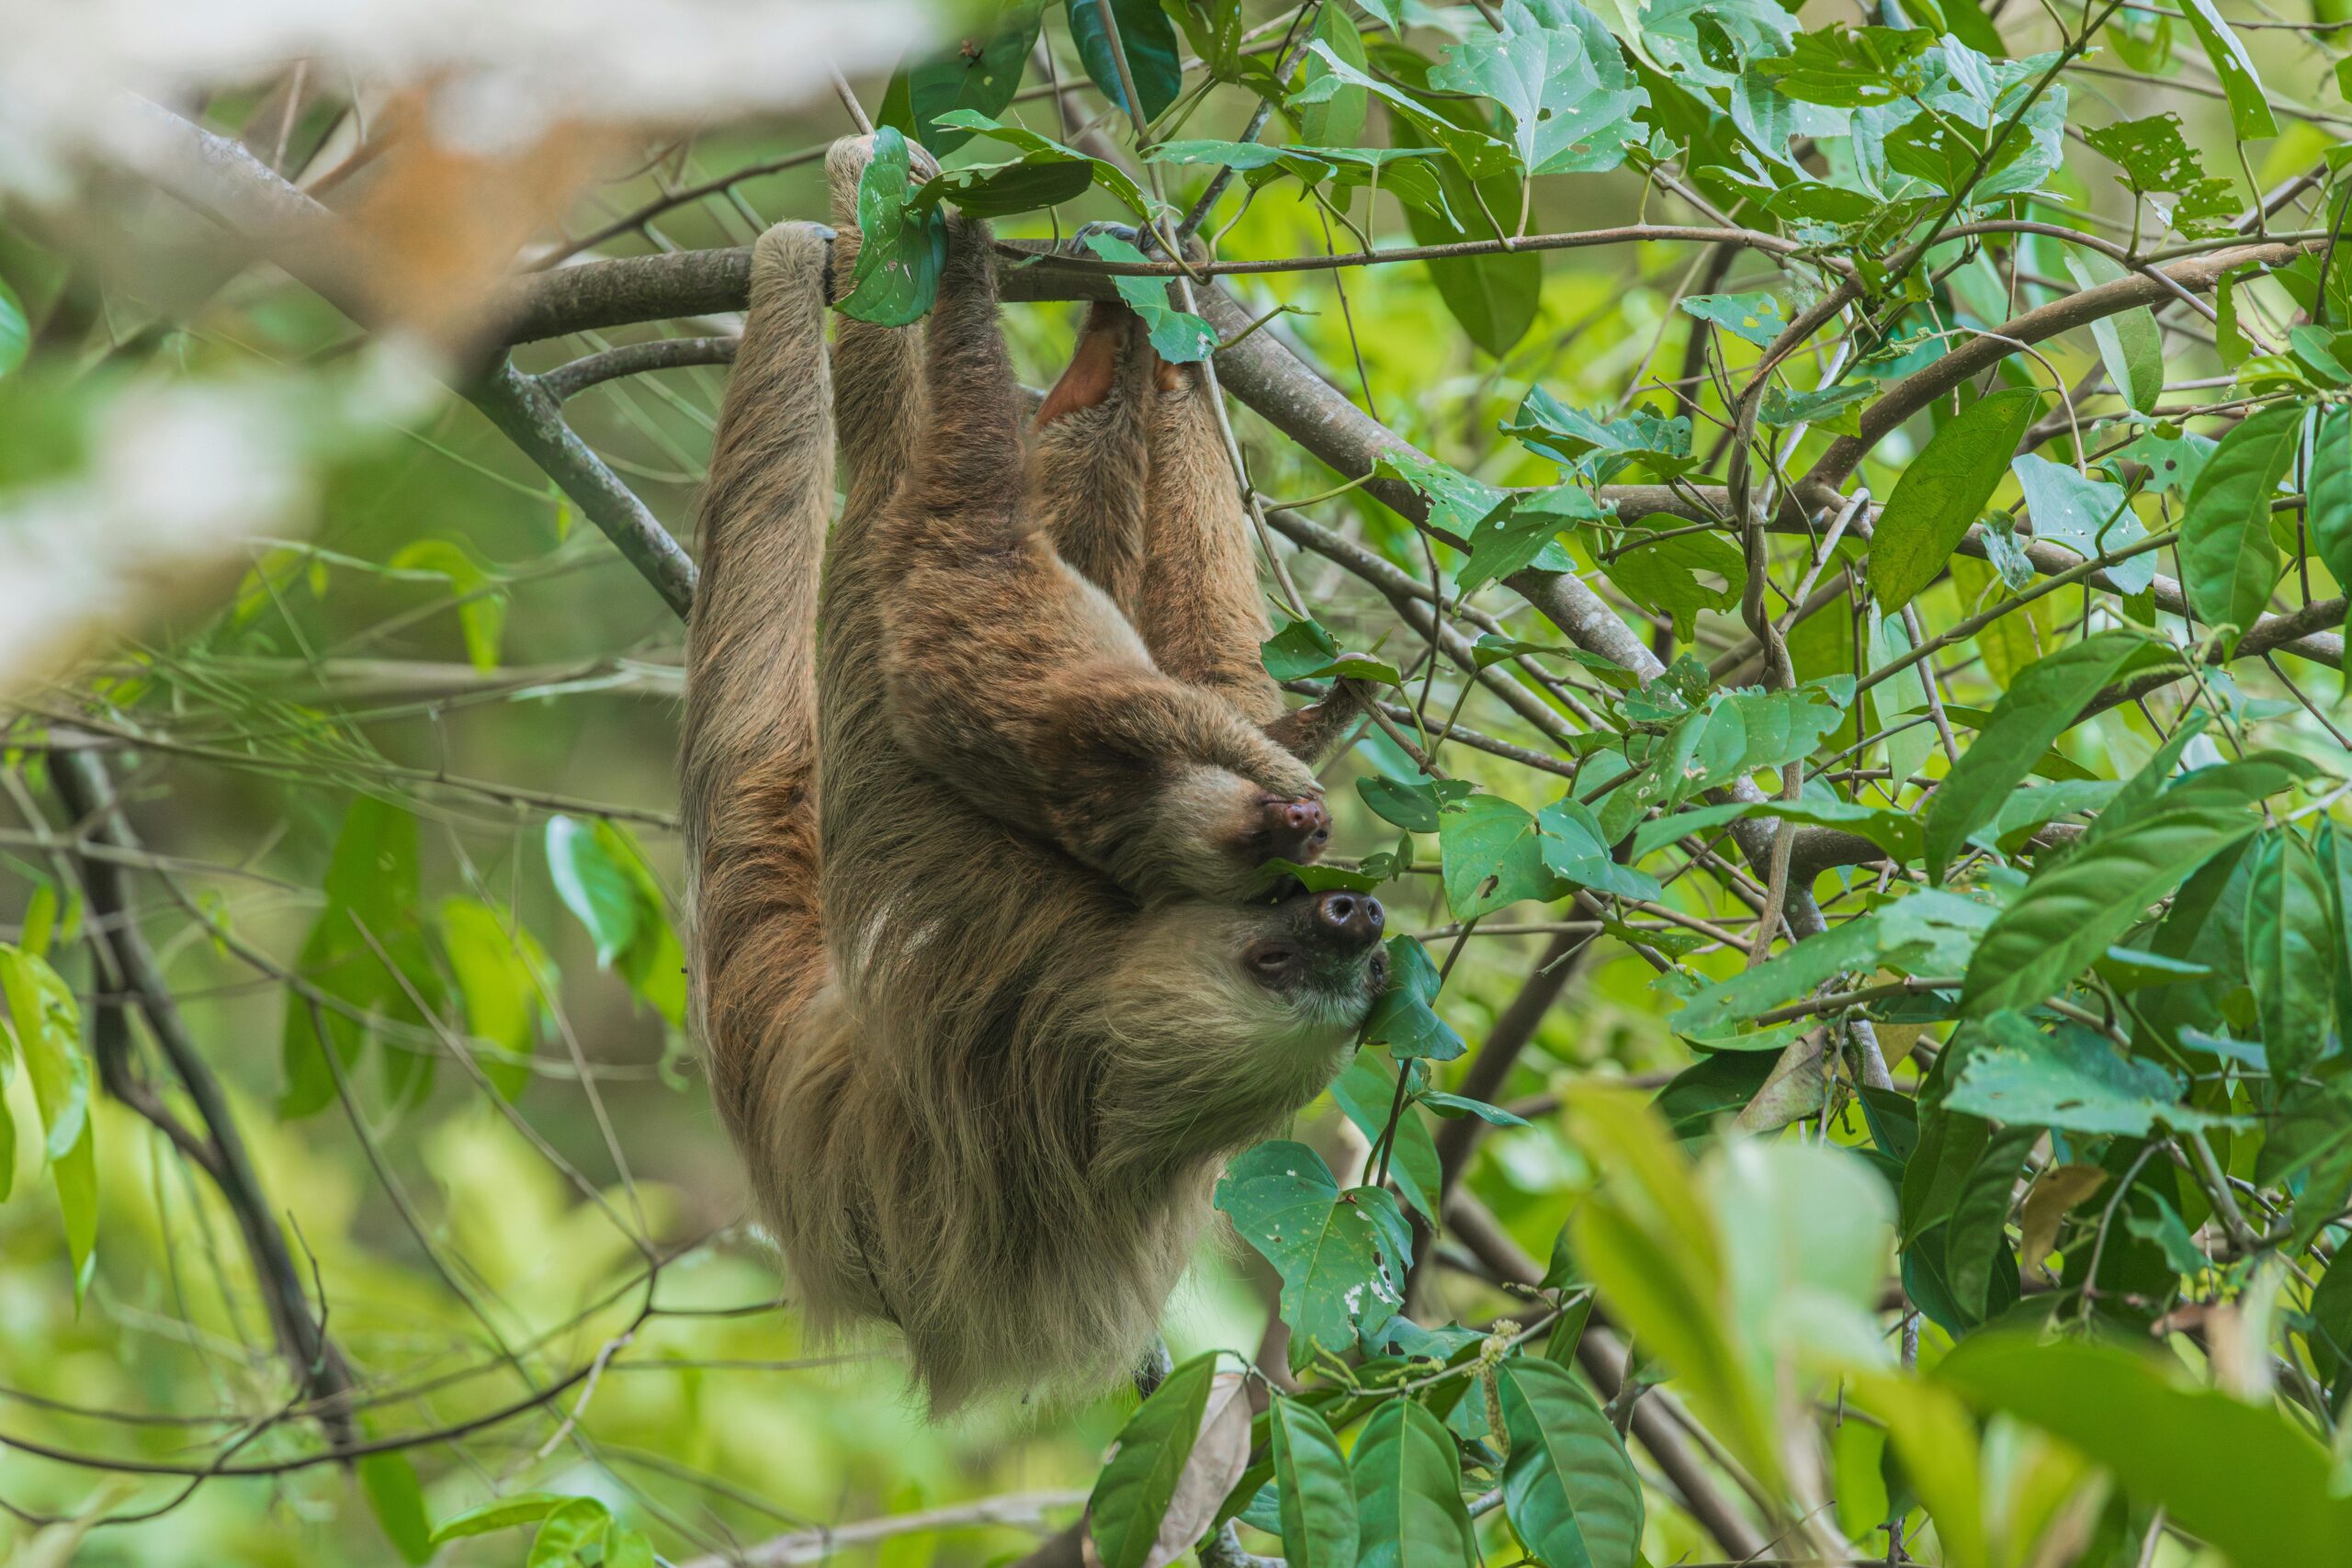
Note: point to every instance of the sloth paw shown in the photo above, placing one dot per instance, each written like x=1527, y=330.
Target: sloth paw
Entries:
x=1295, y=829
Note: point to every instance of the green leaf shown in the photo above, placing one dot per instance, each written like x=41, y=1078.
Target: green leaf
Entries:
x=1756, y=318
x=1404, y=1019
x=1149, y=40
x=1570, y=1488
x=1476, y=152
x=1132, y=1494
x=2237, y=1475
x=1599, y=446
x=1364, y=1092
x=15, y=337
x=1575, y=850
x=2022, y=1077
x=2226, y=551
x=48, y=1025
x=1661, y=573
x=1337, y=121
x=503, y=1513
x=903, y=244
x=2331, y=497
x=1180, y=337
x=398, y=1502
x=1945, y=489
x=2074, y=910
x=1311, y=1482
x=981, y=73
x=593, y=886
x=1518, y=530
x=570, y=1529
x=1414, y=804
x=1408, y=1492
x=1849, y=67
x=2290, y=954
x=1566, y=90
x=2129, y=345
x=2041, y=704
x=1926, y=932
x=482, y=610
x=2088, y=516
x=1975, y=1238
x=2249, y=106
x=631, y=1548
x=1493, y=296
x=974, y=186
x=500, y=969
x=1492, y=857
x=1341, y=1256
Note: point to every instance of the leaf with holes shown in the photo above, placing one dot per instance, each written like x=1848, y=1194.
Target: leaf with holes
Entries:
x=1341, y=1256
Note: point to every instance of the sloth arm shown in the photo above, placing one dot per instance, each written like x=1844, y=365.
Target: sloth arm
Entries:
x=749, y=769
x=1021, y=683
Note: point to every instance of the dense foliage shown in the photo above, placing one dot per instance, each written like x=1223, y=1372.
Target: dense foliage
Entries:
x=1849, y=515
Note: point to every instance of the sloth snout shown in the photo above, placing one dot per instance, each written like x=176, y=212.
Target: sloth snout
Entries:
x=1293, y=829
x=1351, y=919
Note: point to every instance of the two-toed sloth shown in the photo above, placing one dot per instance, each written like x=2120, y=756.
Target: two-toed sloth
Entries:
x=988, y=967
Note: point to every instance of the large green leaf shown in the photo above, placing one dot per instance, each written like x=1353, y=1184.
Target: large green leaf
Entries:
x=1565, y=89
x=1408, y=1493
x=902, y=242
x=15, y=337
x=47, y=1022
x=1149, y=40
x=2249, y=106
x=2041, y=704
x=1337, y=121
x=982, y=72
x=1341, y=1256
x=2238, y=1475
x=1178, y=336
x=1570, y=1488
x=2088, y=516
x=2066, y=1079
x=1311, y=1482
x=2226, y=551
x=2129, y=343
x=1494, y=297
x=1477, y=154
x=398, y=1502
x=1364, y=1093
x=2331, y=497
x=2074, y=911
x=1943, y=491
x=2290, y=953
x=1492, y=857
x=1132, y=1494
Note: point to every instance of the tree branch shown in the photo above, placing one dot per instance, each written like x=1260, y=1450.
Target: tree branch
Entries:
x=319, y=1370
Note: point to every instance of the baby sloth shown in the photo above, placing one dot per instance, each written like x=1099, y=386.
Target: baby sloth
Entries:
x=990, y=964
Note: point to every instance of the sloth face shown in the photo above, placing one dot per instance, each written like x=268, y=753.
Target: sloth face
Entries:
x=1320, y=949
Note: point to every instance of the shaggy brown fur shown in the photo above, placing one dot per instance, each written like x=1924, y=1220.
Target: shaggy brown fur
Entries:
x=986, y=1011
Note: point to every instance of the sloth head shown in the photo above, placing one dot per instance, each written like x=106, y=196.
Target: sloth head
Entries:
x=1306, y=967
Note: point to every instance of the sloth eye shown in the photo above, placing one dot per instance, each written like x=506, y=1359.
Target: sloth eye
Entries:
x=1270, y=962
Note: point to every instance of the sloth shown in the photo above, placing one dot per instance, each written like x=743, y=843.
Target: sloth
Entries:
x=990, y=964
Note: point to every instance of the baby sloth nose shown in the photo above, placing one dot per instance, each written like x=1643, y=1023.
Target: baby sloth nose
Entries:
x=1351, y=919
x=1295, y=829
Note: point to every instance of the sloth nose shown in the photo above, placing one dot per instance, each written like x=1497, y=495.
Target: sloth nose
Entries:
x=1354, y=918
x=1293, y=830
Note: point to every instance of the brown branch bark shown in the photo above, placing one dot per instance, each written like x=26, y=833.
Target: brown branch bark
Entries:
x=319, y=1369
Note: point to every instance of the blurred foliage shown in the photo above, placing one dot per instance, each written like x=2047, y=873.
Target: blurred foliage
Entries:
x=393, y=732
